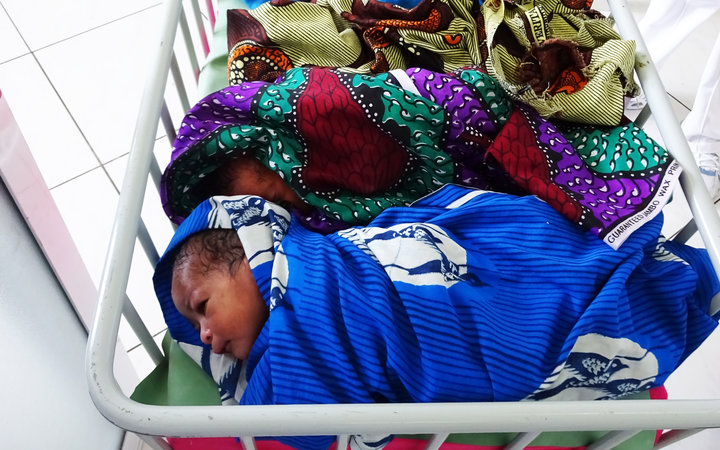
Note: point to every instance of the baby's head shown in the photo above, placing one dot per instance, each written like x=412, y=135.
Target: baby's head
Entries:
x=248, y=176
x=214, y=288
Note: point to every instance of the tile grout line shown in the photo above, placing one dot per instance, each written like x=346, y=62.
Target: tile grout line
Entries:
x=136, y=346
x=110, y=161
x=52, y=86
x=19, y=34
x=75, y=177
x=77, y=125
x=32, y=53
x=14, y=58
x=82, y=32
x=65, y=106
x=689, y=108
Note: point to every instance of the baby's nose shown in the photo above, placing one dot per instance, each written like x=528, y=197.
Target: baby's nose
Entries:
x=206, y=336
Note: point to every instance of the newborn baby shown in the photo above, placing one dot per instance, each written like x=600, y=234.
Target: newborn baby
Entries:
x=214, y=288
x=248, y=176
x=466, y=296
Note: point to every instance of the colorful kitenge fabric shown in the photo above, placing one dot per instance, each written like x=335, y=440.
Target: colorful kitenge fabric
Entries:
x=559, y=57
x=607, y=180
x=407, y=4
x=364, y=36
x=353, y=145
x=468, y=295
x=350, y=145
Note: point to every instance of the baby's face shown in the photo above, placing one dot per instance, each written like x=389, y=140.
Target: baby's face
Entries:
x=226, y=308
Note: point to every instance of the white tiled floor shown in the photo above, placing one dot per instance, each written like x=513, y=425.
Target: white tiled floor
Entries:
x=73, y=74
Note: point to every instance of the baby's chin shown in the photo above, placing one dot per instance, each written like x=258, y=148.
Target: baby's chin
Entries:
x=237, y=353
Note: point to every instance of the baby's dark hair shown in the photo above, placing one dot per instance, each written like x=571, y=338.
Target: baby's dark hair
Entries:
x=218, y=249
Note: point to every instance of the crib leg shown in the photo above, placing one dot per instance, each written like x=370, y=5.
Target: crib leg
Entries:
x=522, y=440
x=155, y=442
x=342, y=441
x=686, y=232
x=643, y=117
x=611, y=440
x=248, y=442
x=673, y=436
x=436, y=441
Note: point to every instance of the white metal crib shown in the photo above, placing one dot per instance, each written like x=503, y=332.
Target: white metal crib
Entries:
x=625, y=418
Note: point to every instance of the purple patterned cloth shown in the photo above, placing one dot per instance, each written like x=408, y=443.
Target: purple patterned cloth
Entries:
x=353, y=145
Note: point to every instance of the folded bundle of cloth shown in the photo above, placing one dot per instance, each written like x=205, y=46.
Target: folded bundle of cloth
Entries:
x=558, y=56
x=465, y=296
x=352, y=145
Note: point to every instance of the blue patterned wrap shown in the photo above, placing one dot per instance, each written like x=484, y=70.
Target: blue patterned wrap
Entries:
x=465, y=296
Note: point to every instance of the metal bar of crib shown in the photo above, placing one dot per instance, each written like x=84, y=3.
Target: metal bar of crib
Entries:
x=629, y=415
x=211, y=13
x=167, y=123
x=201, y=28
x=185, y=28
x=342, y=441
x=673, y=436
x=696, y=193
x=156, y=442
x=644, y=115
x=611, y=440
x=141, y=331
x=104, y=389
x=179, y=85
x=441, y=418
x=521, y=441
x=155, y=172
x=434, y=443
x=248, y=442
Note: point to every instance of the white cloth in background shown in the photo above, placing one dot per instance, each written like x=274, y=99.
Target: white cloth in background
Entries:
x=665, y=25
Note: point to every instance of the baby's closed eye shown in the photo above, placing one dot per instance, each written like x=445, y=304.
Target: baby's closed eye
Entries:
x=200, y=308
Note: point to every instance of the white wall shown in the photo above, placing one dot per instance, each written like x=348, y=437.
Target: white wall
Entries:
x=45, y=402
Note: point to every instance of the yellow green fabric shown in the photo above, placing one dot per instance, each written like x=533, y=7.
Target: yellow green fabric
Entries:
x=609, y=71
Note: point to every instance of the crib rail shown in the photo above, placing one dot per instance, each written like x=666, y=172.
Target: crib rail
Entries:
x=698, y=197
x=625, y=418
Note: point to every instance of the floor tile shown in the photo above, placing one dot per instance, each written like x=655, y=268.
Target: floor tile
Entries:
x=12, y=44
x=704, y=440
x=691, y=56
x=141, y=360
x=87, y=205
x=700, y=367
x=157, y=223
x=44, y=22
x=54, y=139
x=105, y=86
x=698, y=378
